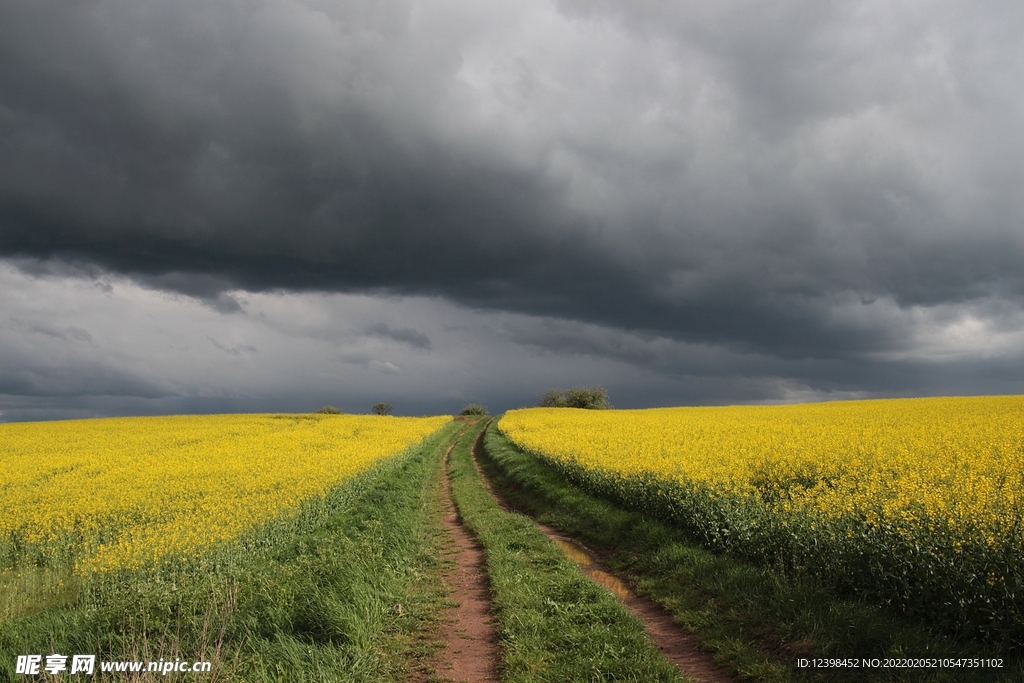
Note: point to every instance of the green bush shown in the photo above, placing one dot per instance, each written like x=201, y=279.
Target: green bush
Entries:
x=329, y=410
x=383, y=409
x=473, y=409
x=592, y=398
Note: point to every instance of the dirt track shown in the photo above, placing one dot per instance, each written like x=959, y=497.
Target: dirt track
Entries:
x=470, y=651
x=677, y=644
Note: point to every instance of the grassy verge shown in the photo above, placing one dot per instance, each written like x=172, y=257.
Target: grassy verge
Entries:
x=345, y=598
x=758, y=621
x=554, y=624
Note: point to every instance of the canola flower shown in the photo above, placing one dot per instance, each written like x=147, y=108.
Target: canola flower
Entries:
x=912, y=501
x=129, y=492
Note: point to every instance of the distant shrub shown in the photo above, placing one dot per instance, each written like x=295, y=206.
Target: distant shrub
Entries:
x=383, y=409
x=329, y=410
x=592, y=398
x=474, y=409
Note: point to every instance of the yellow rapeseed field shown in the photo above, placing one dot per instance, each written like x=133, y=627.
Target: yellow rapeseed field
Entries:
x=905, y=497
x=127, y=492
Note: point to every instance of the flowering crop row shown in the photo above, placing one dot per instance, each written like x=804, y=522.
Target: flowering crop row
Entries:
x=129, y=492
x=913, y=502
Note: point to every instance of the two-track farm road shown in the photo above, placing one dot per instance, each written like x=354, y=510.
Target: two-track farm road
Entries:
x=470, y=650
x=678, y=645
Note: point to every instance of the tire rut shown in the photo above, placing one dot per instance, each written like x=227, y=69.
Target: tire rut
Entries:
x=677, y=644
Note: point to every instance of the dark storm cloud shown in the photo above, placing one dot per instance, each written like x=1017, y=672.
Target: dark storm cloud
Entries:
x=235, y=350
x=406, y=335
x=757, y=176
x=201, y=286
x=66, y=333
x=705, y=363
x=25, y=376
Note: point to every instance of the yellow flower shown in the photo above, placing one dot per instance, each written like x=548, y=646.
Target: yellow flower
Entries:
x=126, y=492
x=927, y=469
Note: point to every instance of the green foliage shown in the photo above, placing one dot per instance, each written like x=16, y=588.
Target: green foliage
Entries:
x=591, y=398
x=474, y=409
x=383, y=409
x=329, y=410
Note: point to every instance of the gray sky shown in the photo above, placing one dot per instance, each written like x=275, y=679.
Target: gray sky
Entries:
x=276, y=204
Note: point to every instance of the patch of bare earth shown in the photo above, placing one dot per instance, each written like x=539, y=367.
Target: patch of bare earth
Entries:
x=470, y=651
x=677, y=644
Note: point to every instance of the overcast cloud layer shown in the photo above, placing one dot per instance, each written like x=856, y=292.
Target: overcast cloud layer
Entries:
x=263, y=204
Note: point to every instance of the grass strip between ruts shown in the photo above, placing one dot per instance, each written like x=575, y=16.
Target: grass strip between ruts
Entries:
x=346, y=599
x=553, y=623
x=758, y=621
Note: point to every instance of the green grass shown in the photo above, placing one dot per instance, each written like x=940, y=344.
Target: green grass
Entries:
x=553, y=623
x=350, y=595
x=758, y=621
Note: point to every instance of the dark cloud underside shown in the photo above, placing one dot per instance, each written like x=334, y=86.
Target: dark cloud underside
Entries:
x=789, y=180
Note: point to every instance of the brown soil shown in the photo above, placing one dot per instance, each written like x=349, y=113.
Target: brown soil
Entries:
x=470, y=651
x=675, y=642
